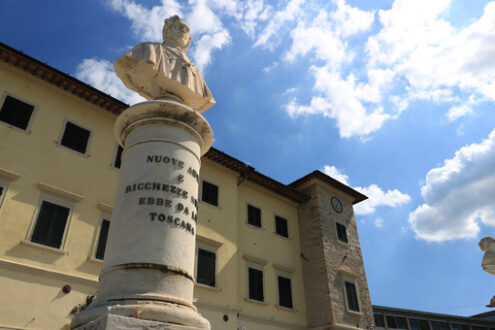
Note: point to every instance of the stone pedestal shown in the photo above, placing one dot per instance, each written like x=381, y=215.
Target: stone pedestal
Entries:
x=148, y=271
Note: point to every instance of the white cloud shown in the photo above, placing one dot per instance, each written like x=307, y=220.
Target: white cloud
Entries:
x=206, y=26
x=269, y=68
x=335, y=173
x=458, y=195
x=101, y=75
x=415, y=55
x=202, y=52
x=147, y=23
x=340, y=100
x=458, y=111
x=376, y=196
x=378, y=222
x=351, y=20
x=288, y=14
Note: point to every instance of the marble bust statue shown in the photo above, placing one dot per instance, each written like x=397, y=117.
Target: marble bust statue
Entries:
x=487, y=244
x=162, y=70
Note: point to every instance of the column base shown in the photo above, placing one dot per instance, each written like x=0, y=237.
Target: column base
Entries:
x=110, y=321
x=130, y=314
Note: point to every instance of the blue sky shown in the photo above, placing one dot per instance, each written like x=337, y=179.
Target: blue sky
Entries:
x=394, y=98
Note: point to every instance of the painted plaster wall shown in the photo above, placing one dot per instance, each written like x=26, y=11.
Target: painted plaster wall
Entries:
x=33, y=287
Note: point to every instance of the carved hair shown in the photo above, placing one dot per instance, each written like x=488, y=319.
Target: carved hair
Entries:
x=168, y=23
x=487, y=243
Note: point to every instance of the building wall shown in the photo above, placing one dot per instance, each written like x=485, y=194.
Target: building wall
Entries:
x=34, y=166
x=330, y=262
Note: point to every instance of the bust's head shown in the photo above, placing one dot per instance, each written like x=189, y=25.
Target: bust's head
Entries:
x=176, y=30
x=486, y=243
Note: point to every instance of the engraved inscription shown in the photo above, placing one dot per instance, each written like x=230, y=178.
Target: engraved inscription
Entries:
x=165, y=160
x=157, y=186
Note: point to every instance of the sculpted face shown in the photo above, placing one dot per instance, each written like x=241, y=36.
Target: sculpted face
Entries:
x=178, y=32
x=486, y=243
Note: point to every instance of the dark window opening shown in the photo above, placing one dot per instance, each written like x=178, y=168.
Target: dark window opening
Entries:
x=419, y=324
x=206, y=267
x=50, y=225
x=1, y=191
x=75, y=137
x=352, y=299
x=440, y=325
x=284, y=292
x=281, y=226
x=254, y=216
x=102, y=240
x=210, y=193
x=457, y=326
x=395, y=322
x=16, y=113
x=379, y=320
x=118, y=157
x=341, y=232
x=255, y=284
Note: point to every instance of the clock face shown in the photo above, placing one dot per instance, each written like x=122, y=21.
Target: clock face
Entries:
x=336, y=204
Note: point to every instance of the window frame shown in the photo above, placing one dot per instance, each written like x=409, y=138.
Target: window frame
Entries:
x=247, y=216
x=61, y=136
x=289, y=277
x=115, y=154
x=260, y=269
x=57, y=201
x=258, y=264
x=103, y=216
x=31, y=118
x=218, y=193
x=210, y=249
x=356, y=287
x=4, y=183
x=211, y=246
x=337, y=223
x=286, y=224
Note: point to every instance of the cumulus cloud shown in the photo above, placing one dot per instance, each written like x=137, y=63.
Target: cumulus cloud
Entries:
x=458, y=196
x=378, y=222
x=333, y=172
x=376, y=196
x=206, y=25
x=276, y=22
x=101, y=75
x=413, y=55
x=431, y=54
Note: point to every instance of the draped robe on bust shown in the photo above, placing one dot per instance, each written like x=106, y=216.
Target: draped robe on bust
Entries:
x=155, y=70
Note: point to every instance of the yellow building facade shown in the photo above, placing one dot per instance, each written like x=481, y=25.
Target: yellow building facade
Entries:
x=269, y=255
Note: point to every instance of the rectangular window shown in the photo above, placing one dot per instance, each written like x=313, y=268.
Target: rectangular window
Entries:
x=341, y=232
x=75, y=137
x=50, y=225
x=281, y=226
x=210, y=193
x=102, y=239
x=419, y=324
x=255, y=284
x=206, y=267
x=396, y=322
x=118, y=157
x=457, y=326
x=352, y=299
x=254, y=216
x=440, y=325
x=379, y=320
x=3, y=192
x=284, y=292
x=16, y=113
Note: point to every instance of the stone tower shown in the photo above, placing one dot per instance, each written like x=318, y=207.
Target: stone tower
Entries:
x=337, y=294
